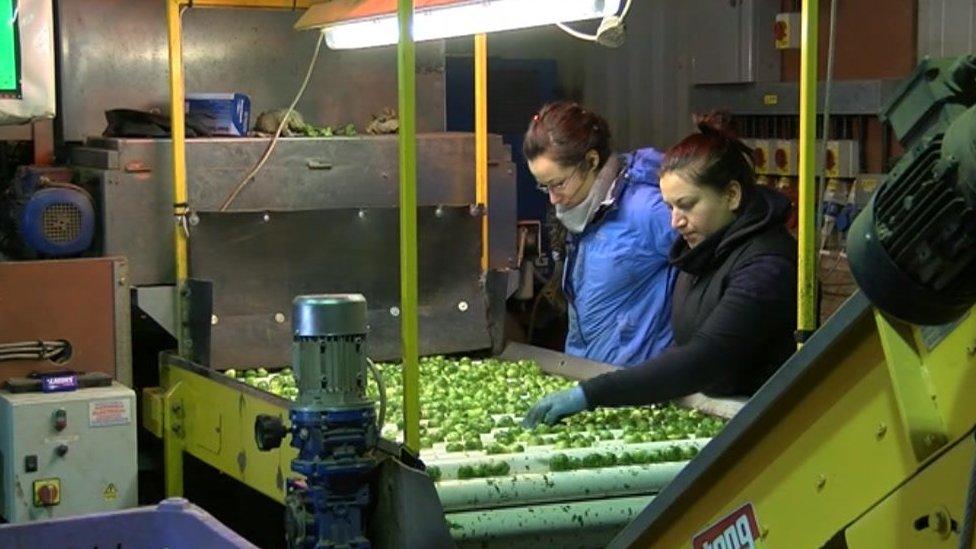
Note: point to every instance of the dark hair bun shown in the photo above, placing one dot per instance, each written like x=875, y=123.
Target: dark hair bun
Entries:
x=566, y=131
x=714, y=121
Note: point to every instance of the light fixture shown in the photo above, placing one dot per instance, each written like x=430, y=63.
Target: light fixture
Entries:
x=355, y=27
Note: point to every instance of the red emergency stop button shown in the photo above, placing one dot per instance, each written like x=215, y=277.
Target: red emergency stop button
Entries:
x=60, y=420
x=47, y=492
x=779, y=31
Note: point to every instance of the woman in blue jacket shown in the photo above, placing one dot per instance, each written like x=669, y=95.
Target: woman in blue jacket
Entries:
x=735, y=297
x=617, y=279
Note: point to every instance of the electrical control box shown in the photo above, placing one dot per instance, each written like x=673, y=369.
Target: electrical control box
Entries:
x=67, y=453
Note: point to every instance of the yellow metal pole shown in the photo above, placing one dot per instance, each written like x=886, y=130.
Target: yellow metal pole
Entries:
x=177, y=98
x=178, y=131
x=481, y=137
x=807, y=239
x=173, y=448
x=407, y=142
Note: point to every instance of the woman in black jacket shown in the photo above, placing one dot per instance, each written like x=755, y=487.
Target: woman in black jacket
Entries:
x=734, y=303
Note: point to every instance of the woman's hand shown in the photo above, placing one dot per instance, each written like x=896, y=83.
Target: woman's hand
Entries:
x=556, y=406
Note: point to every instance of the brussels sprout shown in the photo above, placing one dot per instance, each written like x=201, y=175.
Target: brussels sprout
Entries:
x=230, y=373
x=495, y=448
x=592, y=461
x=633, y=438
x=434, y=472
x=506, y=421
x=455, y=447
x=500, y=469
x=559, y=462
x=472, y=444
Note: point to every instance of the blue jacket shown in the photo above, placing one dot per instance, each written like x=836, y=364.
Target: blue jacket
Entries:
x=617, y=278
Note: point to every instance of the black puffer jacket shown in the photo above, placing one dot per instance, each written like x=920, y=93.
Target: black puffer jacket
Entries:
x=733, y=314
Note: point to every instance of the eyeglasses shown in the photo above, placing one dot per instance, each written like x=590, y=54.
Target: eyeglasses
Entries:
x=557, y=187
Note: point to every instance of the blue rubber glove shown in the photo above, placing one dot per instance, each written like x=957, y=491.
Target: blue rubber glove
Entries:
x=556, y=406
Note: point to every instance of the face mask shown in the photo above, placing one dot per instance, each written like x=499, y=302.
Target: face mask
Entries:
x=577, y=217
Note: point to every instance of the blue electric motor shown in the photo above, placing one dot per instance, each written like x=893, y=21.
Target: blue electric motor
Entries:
x=54, y=218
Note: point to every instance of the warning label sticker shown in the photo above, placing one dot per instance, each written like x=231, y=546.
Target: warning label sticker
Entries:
x=104, y=413
x=737, y=530
x=110, y=492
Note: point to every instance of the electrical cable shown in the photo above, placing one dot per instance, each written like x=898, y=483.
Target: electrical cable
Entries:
x=828, y=82
x=34, y=350
x=284, y=121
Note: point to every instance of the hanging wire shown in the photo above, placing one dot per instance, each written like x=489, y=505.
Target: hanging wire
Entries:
x=274, y=140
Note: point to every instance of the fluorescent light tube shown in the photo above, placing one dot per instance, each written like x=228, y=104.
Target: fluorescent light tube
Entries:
x=466, y=18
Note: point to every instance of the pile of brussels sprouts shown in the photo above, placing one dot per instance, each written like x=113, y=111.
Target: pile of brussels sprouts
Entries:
x=471, y=405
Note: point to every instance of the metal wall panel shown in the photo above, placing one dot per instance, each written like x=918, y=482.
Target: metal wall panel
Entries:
x=946, y=27
x=361, y=172
x=82, y=301
x=259, y=261
x=642, y=87
x=848, y=97
x=114, y=55
x=733, y=41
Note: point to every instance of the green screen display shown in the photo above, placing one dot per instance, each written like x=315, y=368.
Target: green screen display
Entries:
x=9, y=54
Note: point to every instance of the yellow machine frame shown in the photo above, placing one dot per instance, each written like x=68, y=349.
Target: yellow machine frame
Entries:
x=864, y=437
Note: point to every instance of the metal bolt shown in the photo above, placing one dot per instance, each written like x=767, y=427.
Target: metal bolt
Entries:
x=194, y=219
x=940, y=522
x=821, y=482
x=279, y=318
x=882, y=430
x=214, y=319
x=439, y=212
x=361, y=214
x=463, y=306
x=394, y=311
x=266, y=217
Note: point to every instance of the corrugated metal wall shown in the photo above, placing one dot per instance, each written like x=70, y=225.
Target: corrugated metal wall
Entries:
x=642, y=88
x=114, y=54
x=946, y=27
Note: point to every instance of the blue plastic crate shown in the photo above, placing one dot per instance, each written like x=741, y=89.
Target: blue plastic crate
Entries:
x=173, y=524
